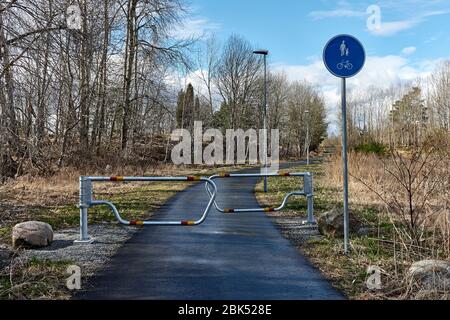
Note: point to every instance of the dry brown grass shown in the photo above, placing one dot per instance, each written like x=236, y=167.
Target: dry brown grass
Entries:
x=62, y=187
x=373, y=183
x=53, y=199
x=34, y=279
x=388, y=245
x=366, y=166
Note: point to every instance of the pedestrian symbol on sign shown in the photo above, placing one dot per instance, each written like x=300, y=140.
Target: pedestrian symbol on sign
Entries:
x=344, y=49
x=344, y=56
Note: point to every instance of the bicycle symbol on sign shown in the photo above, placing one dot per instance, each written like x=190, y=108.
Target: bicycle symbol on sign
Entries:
x=345, y=64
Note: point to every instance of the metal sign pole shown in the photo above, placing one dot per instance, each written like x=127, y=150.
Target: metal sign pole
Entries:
x=344, y=56
x=265, y=122
x=308, y=118
x=345, y=160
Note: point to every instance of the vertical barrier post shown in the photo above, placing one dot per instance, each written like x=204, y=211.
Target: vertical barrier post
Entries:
x=308, y=186
x=85, y=200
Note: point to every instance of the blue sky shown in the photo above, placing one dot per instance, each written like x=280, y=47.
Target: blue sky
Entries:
x=414, y=36
x=295, y=31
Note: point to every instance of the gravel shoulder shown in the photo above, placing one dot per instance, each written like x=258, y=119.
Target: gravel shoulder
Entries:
x=90, y=258
x=42, y=273
x=295, y=230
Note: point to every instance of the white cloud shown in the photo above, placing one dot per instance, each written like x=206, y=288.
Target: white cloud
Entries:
x=338, y=13
x=391, y=28
x=386, y=28
x=409, y=50
x=432, y=39
x=436, y=13
x=380, y=71
x=195, y=28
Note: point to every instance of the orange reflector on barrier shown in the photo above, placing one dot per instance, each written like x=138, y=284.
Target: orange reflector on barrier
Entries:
x=136, y=223
x=193, y=178
x=228, y=210
x=269, y=209
x=224, y=175
x=116, y=179
x=284, y=174
x=187, y=223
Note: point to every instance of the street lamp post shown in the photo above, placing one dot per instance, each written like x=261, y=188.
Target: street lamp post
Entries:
x=264, y=53
x=307, y=137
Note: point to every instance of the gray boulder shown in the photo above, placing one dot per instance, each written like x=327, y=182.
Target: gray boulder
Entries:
x=331, y=223
x=32, y=234
x=431, y=273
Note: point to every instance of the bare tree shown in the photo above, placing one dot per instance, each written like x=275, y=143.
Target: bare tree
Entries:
x=439, y=96
x=410, y=183
x=236, y=78
x=208, y=68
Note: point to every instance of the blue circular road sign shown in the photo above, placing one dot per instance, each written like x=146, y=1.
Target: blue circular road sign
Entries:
x=344, y=56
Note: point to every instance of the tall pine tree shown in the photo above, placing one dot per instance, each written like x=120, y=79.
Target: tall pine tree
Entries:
x=186, y=108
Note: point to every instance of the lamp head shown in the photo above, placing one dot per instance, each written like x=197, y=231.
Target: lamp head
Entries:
x=263, y=52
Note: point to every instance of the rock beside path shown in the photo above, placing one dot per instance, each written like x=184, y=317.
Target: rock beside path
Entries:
x=331, y=223
x=32, y=234
x=431, y=273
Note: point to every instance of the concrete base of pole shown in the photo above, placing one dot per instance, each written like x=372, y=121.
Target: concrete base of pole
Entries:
x=89, y=241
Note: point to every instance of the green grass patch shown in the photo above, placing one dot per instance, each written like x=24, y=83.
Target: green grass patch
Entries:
x=348, y=273
x=374, y=147
x=133, y=202
x=5, y=234
x=37, y=279
x=136, y=203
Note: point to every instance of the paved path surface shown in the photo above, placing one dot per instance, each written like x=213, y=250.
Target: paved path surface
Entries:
x=228, y=257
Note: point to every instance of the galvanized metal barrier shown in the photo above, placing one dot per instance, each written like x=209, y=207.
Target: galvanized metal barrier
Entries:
x=86, y=202
x=307, y=191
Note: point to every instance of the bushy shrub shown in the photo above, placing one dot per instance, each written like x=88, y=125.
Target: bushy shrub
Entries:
x=373, y=147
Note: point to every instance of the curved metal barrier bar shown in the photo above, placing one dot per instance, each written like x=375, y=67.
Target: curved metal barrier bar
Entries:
x=87, y=202
x=307, y=192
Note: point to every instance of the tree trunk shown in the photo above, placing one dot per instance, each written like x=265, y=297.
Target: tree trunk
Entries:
x=128, y=72
x=84, y=84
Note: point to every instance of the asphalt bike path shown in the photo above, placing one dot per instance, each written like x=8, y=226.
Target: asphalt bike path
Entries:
x=228, y=257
